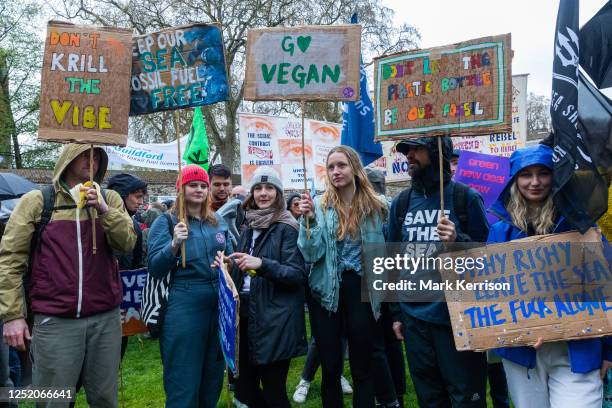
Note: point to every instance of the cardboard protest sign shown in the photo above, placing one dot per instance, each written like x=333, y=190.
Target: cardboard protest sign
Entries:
x=552, y=286
x=229, y=306
x=307, y=63
x=276, y=142
x=460, y=89
x=133, y=285
x=503, y=144
x=486, y=174
x=179, y=67
x=85, y=84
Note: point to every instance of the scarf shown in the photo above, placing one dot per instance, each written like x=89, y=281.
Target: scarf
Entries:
x=262, y=219
x=215, y=205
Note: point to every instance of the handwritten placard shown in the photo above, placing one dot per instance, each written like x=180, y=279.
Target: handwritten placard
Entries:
x=133, y=284
x=85, y=84
x=503, y=144
x=303, y=63
x=553, y=286
x=486, y=174
x=178, y=68
x=460, y=89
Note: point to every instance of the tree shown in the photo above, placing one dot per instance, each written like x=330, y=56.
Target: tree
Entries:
x=538, y=113
x=20, y=63
x=379, y=36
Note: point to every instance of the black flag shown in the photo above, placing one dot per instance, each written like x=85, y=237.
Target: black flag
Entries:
x=579, y=191
x=595, y=122
x=596, y=47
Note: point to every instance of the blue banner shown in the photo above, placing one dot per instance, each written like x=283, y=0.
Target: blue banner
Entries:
x=180, y=67
x=228, y=327
x=133, y=285
x=358, y=121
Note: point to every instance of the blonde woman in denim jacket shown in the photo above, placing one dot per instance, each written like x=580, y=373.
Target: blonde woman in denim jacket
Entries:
x=347, y=216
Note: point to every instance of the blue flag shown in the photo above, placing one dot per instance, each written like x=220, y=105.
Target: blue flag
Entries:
x=358, y=121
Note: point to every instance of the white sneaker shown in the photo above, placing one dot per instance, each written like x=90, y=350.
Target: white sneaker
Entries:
x=346, y=386
x=301, y=391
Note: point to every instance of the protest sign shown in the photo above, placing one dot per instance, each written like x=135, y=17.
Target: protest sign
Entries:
x=133, y=284
x=179, y=67
x=229, y=305
x=393, y=164
x=486, y=174
x=460, y=89
x=307, y=63
x=503, y=144
x=162, y=156
x=85, y=84
x=552, y=286
x=275, y=141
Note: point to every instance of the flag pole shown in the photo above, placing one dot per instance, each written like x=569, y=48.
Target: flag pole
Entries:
x=441, y=174
x=180, y=200
x=93, y=209
x=304, y=167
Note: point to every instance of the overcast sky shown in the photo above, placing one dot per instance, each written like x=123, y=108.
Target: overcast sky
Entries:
x=531, y=23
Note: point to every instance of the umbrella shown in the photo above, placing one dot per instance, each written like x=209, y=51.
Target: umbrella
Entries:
x=14, y=186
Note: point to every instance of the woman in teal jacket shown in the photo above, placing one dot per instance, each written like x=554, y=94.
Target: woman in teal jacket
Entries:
x=558, y=374
x=347, y=216
x=189, y=340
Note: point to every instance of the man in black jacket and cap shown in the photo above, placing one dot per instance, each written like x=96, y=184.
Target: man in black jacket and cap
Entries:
x=132, y=190
x=442, y=376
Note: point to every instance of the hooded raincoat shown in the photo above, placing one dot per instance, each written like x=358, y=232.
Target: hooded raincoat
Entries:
x=66, y=279
x=584, y=355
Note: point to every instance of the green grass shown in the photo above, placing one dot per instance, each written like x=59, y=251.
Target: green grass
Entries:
x=141, y=383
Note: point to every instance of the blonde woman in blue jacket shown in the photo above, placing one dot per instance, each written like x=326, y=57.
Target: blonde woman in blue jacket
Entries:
x=347, y=216
x=562, y=374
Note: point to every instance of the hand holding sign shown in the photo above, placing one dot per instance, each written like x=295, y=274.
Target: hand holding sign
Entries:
x=307, y=206
x=446, y=230
x=246, y=262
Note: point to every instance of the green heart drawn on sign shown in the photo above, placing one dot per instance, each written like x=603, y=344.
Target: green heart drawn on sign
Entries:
x=303, y=42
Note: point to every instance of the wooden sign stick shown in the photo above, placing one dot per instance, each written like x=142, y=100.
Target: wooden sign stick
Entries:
x=180, y=199
x=441, y=169
x=93, y=209
x=304, y=166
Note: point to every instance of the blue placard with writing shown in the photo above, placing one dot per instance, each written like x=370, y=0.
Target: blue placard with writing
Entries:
x=180, y=67
x=228, y=314
x=133, y=285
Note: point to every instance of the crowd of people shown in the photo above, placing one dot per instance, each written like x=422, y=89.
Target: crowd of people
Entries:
x=60, y=298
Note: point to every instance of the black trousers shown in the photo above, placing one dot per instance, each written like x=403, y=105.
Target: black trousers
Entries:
x=367, y=359
x=498, y=387
x=259, y=385
x=442, y=376
x=395, y=356
x=313, y=361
